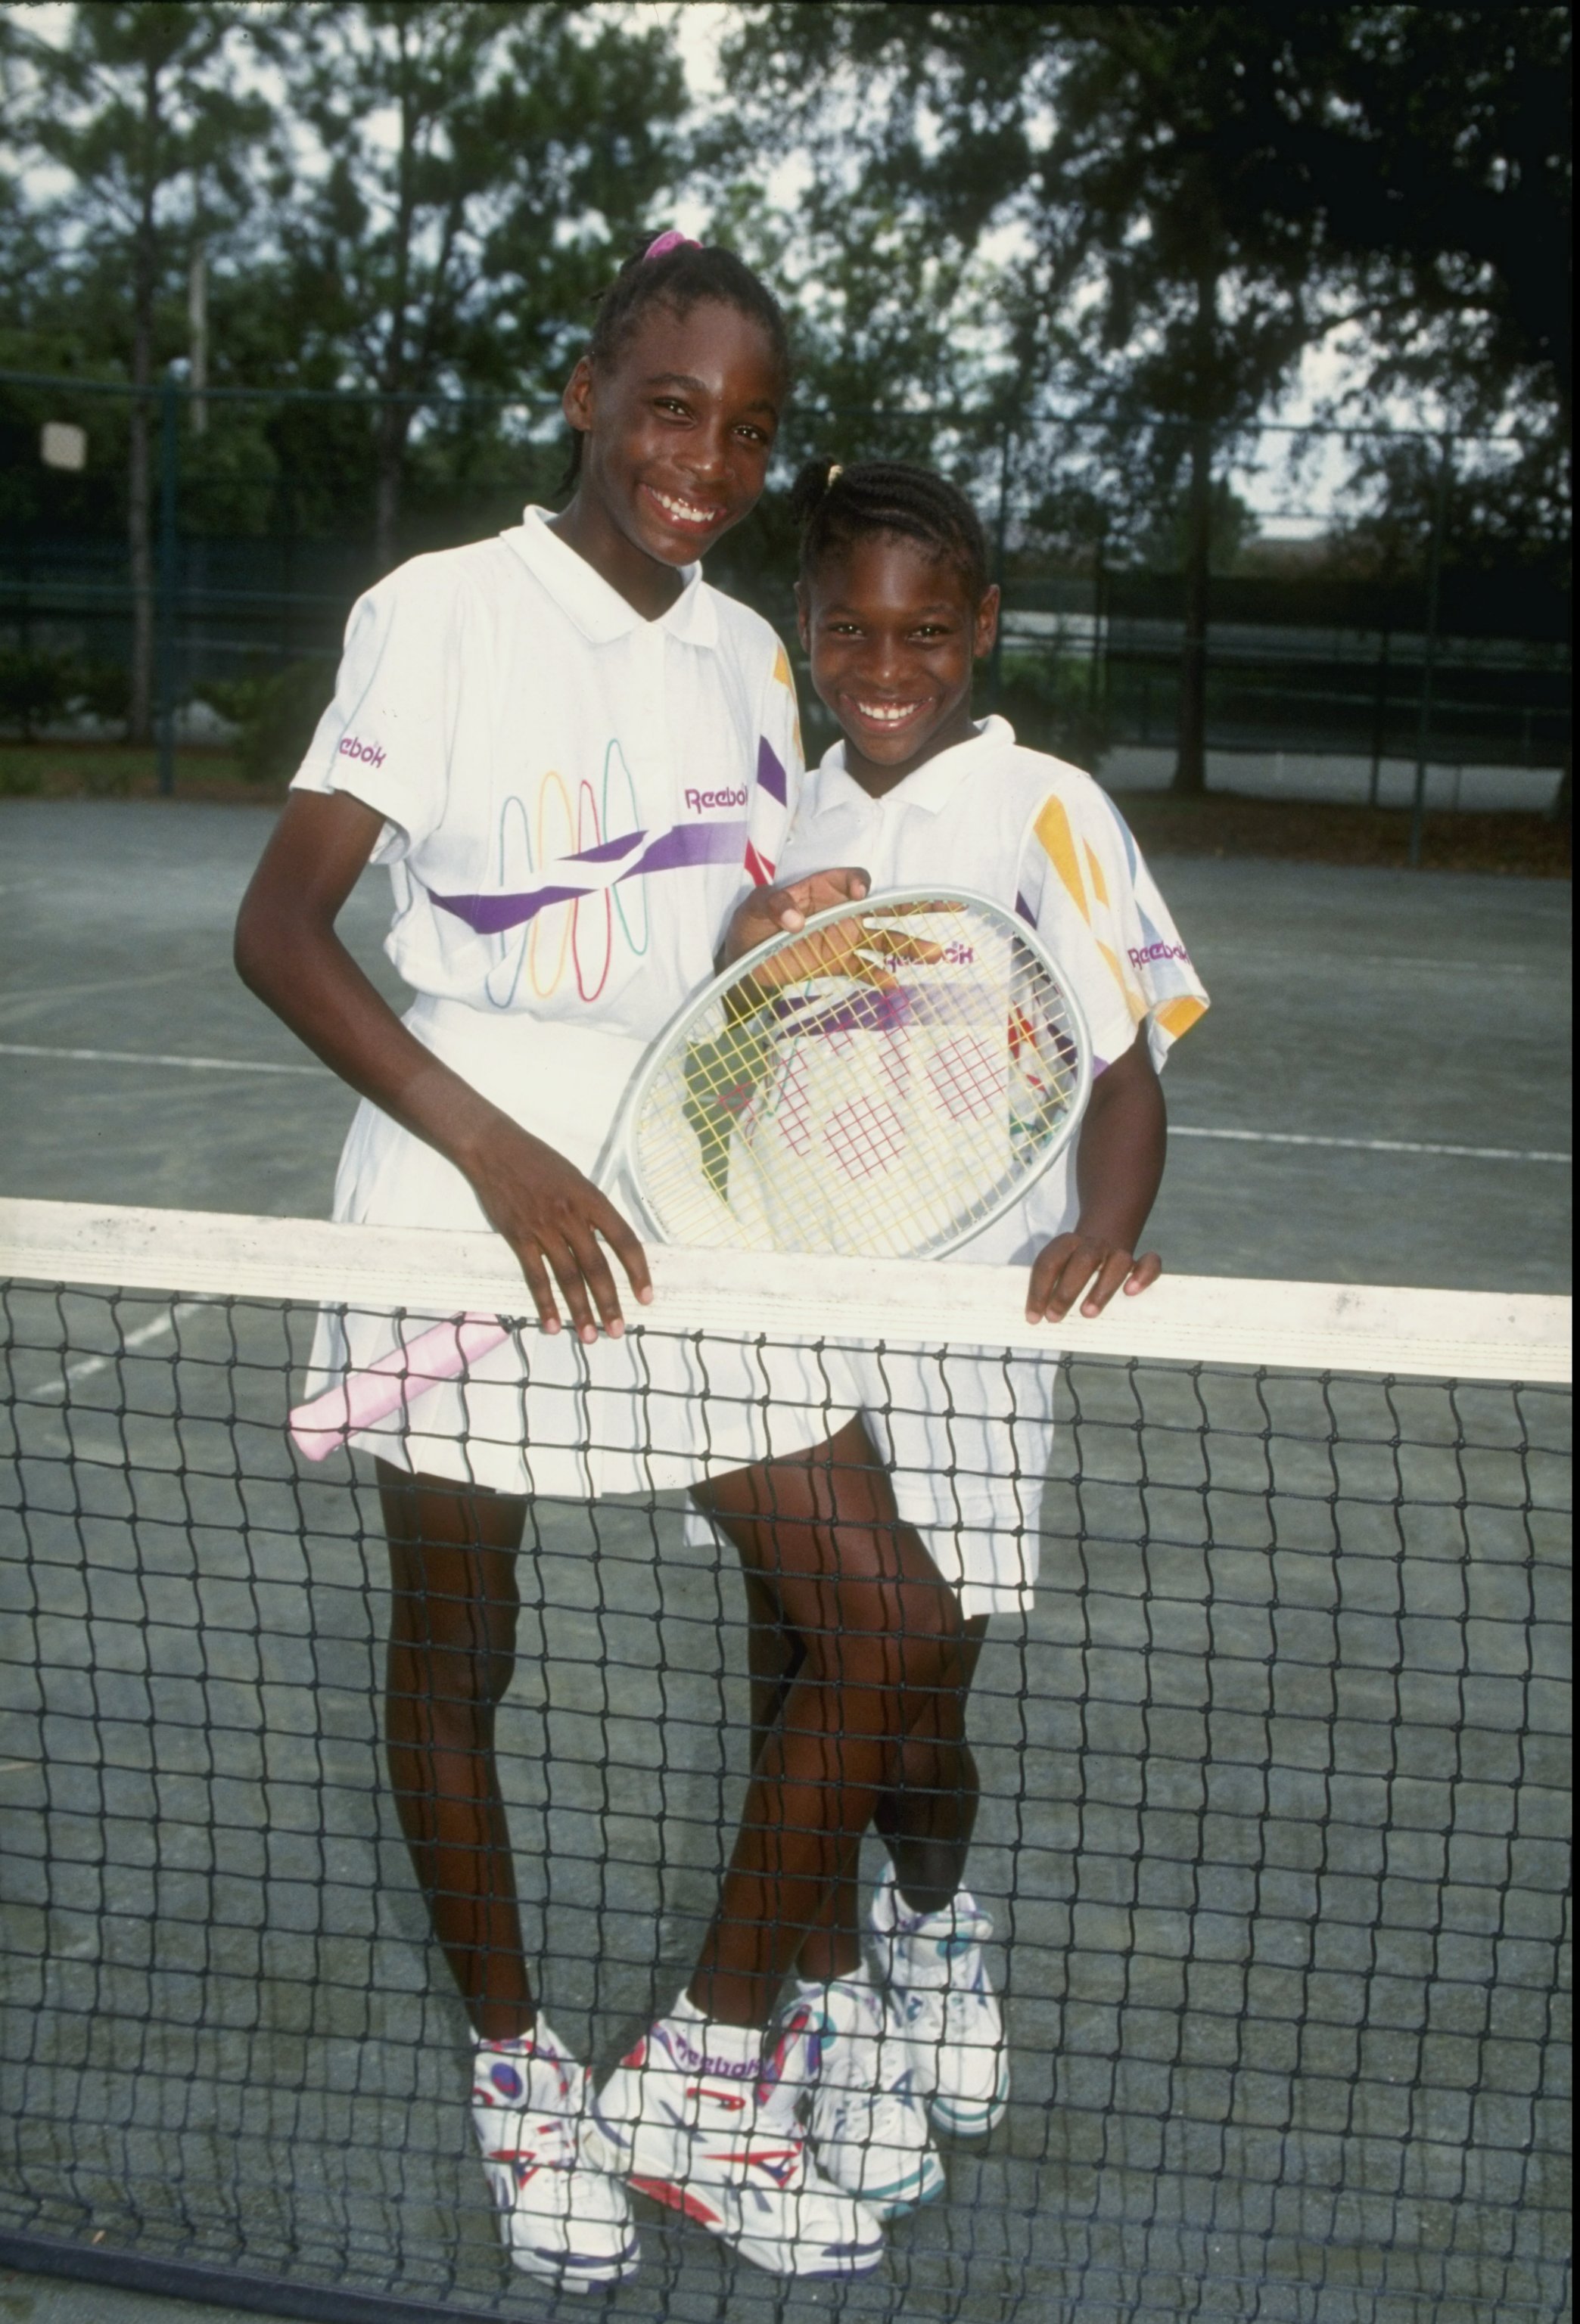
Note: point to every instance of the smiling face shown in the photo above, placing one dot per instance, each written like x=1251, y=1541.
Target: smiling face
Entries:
x=893, y=633
x=677, y=429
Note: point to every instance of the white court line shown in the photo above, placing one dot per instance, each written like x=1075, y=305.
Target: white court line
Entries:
x=1393, y=960
x=154, y=1057
x=86, y=1367
x=1375, y=1145
x=1179, y=1130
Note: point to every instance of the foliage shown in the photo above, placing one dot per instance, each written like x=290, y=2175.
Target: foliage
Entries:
x=476, y=174
x=276, y=712
x=1050, y=700
x=34, y=685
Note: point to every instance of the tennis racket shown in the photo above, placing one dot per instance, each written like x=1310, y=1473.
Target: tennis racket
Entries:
x=883, y=1084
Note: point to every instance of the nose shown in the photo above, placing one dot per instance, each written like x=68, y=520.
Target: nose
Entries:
x=707, y=456
x=884, y=659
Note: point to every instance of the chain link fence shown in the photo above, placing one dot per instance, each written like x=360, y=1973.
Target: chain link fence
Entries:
x=1430, y=676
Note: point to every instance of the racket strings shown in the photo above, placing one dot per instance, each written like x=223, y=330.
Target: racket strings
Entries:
x=884, y=1106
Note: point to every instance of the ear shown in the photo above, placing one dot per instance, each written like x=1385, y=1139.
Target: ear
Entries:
x=804, y=615
x=576, y=402
x=987, y=623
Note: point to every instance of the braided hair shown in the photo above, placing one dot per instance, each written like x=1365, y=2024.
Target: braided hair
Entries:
x=837, y=506
x=680, y=274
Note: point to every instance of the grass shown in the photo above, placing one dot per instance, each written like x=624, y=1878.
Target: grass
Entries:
x=120, y=771
x=1320, y=831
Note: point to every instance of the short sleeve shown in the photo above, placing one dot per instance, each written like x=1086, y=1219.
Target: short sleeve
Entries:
x=781, y=768
x=383, y=738
x=1087, y=889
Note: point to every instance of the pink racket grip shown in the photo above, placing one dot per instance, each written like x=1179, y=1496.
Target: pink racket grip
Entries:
x=364, y=1399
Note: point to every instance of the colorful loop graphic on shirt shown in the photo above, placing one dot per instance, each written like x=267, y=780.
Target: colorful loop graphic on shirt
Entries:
x=563, y=884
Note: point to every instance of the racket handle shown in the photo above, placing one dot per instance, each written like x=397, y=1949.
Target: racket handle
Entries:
x=396, y=1381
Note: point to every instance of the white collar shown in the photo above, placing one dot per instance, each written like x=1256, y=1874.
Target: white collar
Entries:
x=934, y=781
x=599, y=611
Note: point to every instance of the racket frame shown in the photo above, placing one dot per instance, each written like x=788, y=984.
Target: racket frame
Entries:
x=623, y=1164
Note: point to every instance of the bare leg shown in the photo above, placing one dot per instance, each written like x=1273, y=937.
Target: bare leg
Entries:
x=882, y=1633
x=451, y=1652
x=926, y=1817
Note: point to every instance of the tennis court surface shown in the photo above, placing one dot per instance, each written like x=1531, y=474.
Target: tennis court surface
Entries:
x=1273, y=1833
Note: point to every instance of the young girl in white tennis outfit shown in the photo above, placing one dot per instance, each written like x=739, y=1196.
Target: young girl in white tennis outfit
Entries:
x=575, y=758
x=894, y=607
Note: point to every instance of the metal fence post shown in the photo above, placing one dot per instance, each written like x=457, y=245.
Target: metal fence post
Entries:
x=165, y=609
x=1000, y=537
x=1378, y=722
x=1429, y=655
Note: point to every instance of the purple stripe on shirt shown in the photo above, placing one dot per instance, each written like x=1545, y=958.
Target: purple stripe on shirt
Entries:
x=1025, y=910
x=771, y=773
x=692, y=842
x=673, y=851
x=490, y=916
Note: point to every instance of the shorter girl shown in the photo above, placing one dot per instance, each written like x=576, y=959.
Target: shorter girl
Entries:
x=894, y=607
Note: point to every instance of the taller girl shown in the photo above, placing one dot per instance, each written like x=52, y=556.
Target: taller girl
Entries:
x=574, y=757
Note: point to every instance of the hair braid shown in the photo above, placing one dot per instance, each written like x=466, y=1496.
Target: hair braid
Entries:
x=836, y=507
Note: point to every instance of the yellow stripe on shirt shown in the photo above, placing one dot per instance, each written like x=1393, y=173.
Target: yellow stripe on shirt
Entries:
x=1052, y=827
x=1177, y=1016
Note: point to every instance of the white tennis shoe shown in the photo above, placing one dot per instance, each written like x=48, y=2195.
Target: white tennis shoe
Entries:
x=561, y=2217
x=941, y=1995
x=702, y=2122
x=869, y=2123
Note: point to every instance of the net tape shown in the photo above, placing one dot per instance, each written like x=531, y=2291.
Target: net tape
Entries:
x=1273, y=1828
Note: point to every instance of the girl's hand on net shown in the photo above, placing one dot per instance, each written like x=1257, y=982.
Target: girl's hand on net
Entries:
x=557, y=1222
x=1072, y=1262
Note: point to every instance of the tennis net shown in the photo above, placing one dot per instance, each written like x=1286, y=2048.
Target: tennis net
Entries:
x=1273, y=1831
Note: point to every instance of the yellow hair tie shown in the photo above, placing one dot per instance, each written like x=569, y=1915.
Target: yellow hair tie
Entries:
x=836, y=469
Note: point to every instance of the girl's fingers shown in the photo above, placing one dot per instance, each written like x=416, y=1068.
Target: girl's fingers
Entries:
x=1112, y=1272
x=1072, y=1278
x=627, y=1246
x=538, y=1284
x=1044, y=1275
x=588, y=1252
x=1144, y=1273
x=568, y=1273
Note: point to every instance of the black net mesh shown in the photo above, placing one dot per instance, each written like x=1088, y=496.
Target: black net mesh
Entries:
x=1273, y=1838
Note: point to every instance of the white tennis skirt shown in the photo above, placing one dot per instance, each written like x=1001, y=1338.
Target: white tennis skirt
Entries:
x=542, y=1414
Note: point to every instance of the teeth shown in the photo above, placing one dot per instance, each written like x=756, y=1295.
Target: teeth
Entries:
x=886, y=714
x=683, y=512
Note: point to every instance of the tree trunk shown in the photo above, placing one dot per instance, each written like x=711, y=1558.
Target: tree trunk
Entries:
x=394, y=421
x=139, y=465
x=1190, y=770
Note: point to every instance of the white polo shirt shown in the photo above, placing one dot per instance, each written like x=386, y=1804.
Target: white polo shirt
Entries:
x=1041, y=838
x=575, y=797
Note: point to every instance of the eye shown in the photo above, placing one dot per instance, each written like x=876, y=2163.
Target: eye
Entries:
x=671, y=403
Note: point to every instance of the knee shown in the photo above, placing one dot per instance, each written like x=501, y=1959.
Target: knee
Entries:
x=901, y=1637
x=456, y=1657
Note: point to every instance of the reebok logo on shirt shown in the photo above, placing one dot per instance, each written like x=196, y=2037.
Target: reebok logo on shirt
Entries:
x=700, y=801
x=353, y=747
x=1139, y=958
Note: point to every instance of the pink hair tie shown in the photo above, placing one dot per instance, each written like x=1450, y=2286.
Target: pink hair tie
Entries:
x=673, y=240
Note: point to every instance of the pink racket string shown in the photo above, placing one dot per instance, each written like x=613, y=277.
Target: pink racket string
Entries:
x=364, y=1399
